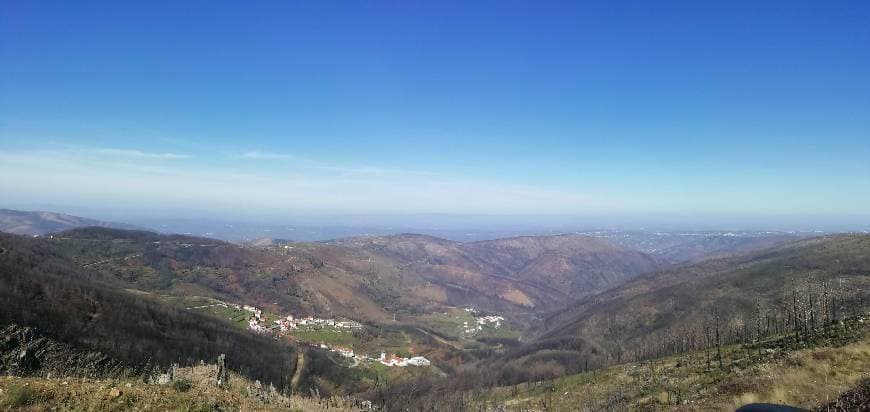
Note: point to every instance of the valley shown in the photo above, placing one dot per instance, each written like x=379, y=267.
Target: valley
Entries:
x=363, y=318
x=386, y=206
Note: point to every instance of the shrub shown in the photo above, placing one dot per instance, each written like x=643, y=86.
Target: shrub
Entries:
x=182, y=385
x=18, y=396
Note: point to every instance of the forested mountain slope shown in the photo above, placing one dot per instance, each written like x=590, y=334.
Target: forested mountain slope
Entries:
x=678, y=246
x=797, y=283
x=375, y=278
x=525, y=273
x=42, y=289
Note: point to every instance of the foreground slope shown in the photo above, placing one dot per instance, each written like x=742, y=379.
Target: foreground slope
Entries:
x=192, y=389
x=829, y=374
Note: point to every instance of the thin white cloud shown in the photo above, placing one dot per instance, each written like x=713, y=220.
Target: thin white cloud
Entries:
x=48, y=175
x=140, y=154
x=338, y=170
x=258, y=155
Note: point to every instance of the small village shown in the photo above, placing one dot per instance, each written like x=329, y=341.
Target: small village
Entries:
x=289, y=322
x=284, y=325
x=384, y=359
x=493, y=320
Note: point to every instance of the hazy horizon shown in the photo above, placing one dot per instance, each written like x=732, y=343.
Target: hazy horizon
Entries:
x=448, y=226
x=434, y=206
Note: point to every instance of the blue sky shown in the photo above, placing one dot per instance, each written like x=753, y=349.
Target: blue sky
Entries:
x=507, y=108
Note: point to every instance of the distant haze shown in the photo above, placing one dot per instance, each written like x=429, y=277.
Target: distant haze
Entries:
x=453, y=227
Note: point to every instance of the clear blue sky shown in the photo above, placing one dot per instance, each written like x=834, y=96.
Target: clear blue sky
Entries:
x=292, y=108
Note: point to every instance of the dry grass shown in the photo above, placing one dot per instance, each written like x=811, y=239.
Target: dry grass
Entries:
x=811, y=378
x=518, y=297
x=806, y=378
x=191, y=390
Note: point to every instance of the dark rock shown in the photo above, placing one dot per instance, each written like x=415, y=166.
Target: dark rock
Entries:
x=222, y=376
x=25, y=352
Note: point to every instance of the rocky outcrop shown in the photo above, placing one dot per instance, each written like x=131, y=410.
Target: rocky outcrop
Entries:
x=26, y=352
x=222, y=375
x=855, y=399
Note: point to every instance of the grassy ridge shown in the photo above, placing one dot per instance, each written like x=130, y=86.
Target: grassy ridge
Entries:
x=807, y=378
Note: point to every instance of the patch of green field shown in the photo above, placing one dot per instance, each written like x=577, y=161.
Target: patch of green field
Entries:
x=238, y=318
x=326, y=334
x=450, y=323
x=454, y=322
x=505, y=331
x=396, y=342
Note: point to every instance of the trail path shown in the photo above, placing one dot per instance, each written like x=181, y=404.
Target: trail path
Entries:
x=109, y=260
x=440, y=339
x=300, y=366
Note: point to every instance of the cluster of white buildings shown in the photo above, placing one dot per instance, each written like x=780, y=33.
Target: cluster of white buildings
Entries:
x=254, y=321
x=395, y=360
x=345, y=352
x=341, y=350
x=495, y=320
x=290, y=322
x=384, y=359
x=480, y=321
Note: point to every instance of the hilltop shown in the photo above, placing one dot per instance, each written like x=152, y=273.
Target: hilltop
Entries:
x=40, y=223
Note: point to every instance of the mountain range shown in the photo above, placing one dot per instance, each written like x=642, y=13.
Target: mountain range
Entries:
x=572, y=300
